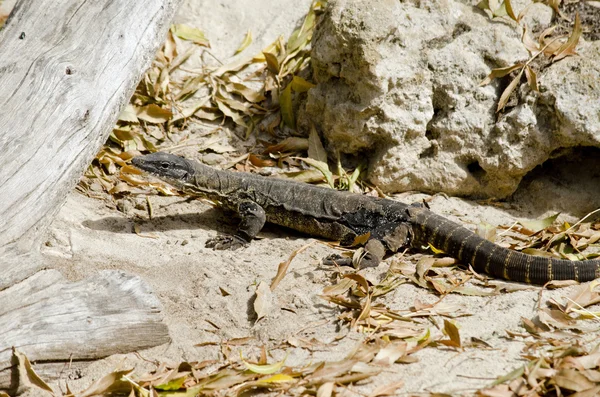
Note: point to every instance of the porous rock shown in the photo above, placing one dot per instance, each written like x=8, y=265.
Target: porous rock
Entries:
x=400, y=81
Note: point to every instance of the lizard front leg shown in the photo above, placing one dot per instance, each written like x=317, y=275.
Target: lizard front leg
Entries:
x=252, y=219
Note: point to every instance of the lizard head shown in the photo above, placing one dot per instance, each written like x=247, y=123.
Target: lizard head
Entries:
x=171, y=168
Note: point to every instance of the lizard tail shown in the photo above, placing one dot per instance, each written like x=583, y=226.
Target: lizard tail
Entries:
x=492, y=259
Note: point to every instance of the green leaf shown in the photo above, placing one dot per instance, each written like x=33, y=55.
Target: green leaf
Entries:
x=301, y=85
x=322, y=167
x=272, y=62
x=285, y=105
x=189, y=33
x=173, y=384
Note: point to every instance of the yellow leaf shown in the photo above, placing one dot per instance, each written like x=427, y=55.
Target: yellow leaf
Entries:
x=189, y=33
x=278, y=378
x=245, y=43
x=128, y=114
x=435, y=250
x=265, y=369
x=154, y=114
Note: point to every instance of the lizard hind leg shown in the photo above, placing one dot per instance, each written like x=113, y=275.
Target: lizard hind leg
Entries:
x=252, y=219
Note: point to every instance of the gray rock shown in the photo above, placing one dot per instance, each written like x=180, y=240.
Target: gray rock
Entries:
x=400, y=81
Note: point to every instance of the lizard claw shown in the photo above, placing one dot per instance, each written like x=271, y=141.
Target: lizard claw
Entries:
x=227, y=242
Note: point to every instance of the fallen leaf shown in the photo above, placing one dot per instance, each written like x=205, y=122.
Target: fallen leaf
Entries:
x=189, y=33
x=265, y=369
x=245, y=43
x=316, y=151
x=506, y=94
x=154, y=114
x=300, y=85
x=291, y=144
x=285, y=105
x=568, y=48
x=27, y=376
x=539, y=224
x=322, y=167
x=108, y=383
x=386, y=390
x=264, y=300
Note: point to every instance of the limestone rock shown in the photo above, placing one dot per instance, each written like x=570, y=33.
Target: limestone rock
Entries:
x=400, y=81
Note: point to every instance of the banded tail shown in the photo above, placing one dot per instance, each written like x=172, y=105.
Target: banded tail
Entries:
x=492, y=259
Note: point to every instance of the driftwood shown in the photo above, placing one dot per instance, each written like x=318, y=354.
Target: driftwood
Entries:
x=90, y=319
x=66, y=70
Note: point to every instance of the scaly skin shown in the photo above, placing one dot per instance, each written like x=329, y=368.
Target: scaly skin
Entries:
x=344, y=216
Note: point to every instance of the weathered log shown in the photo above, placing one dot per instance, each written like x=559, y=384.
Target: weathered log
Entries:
x=55, y=320
x=66, y=70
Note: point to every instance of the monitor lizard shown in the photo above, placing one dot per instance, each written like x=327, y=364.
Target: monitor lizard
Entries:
x=343, y=216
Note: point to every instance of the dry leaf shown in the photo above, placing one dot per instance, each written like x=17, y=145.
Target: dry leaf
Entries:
x=506, y=94
x=568, y=48
x=245, y=43
x=189, y=33
x=386, y=390
x=291, y=144
x=316, y=151
x=154, y=114
x=27, y=376
x=263, y=303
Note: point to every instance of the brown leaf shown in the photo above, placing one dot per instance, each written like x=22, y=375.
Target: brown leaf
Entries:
x=451, y=330
x=572, y=379
x=500, y=72
x=531, y=78
x=27, y=376
x=568, y=48
x=291, y=144
x=316, y=150
x=283, y=266
x=506, y=94
x=108, y=383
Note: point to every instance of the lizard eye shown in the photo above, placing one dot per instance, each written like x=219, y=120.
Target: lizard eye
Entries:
x=164, y=166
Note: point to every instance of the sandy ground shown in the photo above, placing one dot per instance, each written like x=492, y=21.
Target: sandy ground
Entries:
x=90, y=234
